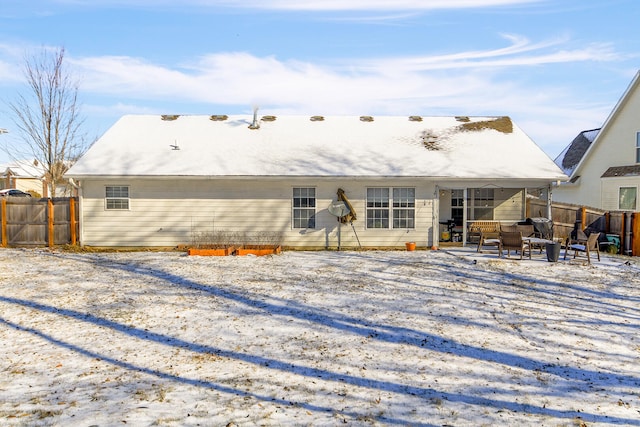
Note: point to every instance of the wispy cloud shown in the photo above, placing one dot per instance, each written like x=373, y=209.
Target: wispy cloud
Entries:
x=237, y=77
x=314, y=5
x=366, y=4
x=520, y=52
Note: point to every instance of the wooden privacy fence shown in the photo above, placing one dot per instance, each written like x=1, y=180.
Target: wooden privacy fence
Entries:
x=39, y=222
x=567, y=217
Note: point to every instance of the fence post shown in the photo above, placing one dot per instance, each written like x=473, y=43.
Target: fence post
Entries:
x=50, y=222
x=72, y=220
x=3, y=213
x=635, y=234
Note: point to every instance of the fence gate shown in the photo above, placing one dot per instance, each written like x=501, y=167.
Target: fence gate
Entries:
x=38, y=222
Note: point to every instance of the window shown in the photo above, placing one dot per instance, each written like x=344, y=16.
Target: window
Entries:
x=480, y=203
x=637, y=147
x=304, y=207
x=400, y=207
x=627, y=198
x=117, y=197
x=404, y=207
x=457, y=206
x=377, y=208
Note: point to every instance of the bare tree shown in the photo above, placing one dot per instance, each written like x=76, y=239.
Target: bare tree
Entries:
x=48, y=115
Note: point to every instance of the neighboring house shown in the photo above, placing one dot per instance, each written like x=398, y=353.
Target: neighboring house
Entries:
x=604, y=164
x=161, y=180
x=25, y=175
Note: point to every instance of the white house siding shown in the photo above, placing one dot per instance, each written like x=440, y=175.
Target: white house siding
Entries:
x=614, y=146
x=166, y=212
x=509, y=204
x=611, y=189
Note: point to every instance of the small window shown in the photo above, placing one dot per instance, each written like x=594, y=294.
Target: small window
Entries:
x=637, y=147
x=117, y=197
x=627, y=198
x=304, y=207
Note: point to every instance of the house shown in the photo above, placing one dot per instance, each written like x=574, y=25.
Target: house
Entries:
x=603, y=164
x=25, y=175
x=162, y=180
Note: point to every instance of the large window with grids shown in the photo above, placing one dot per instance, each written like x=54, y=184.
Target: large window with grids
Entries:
x=480, y=203
x=117, y=197
x=391, y=207
x=304, y=207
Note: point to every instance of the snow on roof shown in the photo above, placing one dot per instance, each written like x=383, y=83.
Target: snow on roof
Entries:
x=227, y=146
x=23, y=169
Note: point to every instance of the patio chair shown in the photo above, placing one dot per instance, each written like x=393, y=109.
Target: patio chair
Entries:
x=528, y=230
x=512, y=241
x=584, y=246
x=489, y=238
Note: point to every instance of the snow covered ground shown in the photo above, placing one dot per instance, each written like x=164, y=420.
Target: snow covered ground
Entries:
x=317, y=338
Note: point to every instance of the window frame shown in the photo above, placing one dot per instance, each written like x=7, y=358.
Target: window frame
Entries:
x=390, y=208
x=302, y=206
x=481, y=201
x=621, y=196
x=117, y=201
x=377, y=207
x=638, y=147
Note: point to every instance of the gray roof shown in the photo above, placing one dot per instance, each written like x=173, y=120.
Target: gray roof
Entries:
x=571, y=156
x=617, y=171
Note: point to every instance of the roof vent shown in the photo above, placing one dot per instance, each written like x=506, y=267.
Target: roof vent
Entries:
x=218, y=117
x=317, y=118
x=169, y=117
x=366, y=118
x=462, y=118
x=255, y=124
x=415, y=118
x=268, y=118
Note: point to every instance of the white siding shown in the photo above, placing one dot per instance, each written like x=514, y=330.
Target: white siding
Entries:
x=615, y=146
x=167, y=212
x=509, y=204
x=611, y=190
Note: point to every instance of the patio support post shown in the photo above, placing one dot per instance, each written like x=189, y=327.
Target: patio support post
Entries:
x=465, y=194
x=435, y=223
x=549, y=202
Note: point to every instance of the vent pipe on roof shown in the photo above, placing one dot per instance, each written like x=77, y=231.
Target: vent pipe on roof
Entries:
x=255, y=124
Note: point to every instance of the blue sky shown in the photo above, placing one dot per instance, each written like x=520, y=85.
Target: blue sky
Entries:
x=557, y=67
